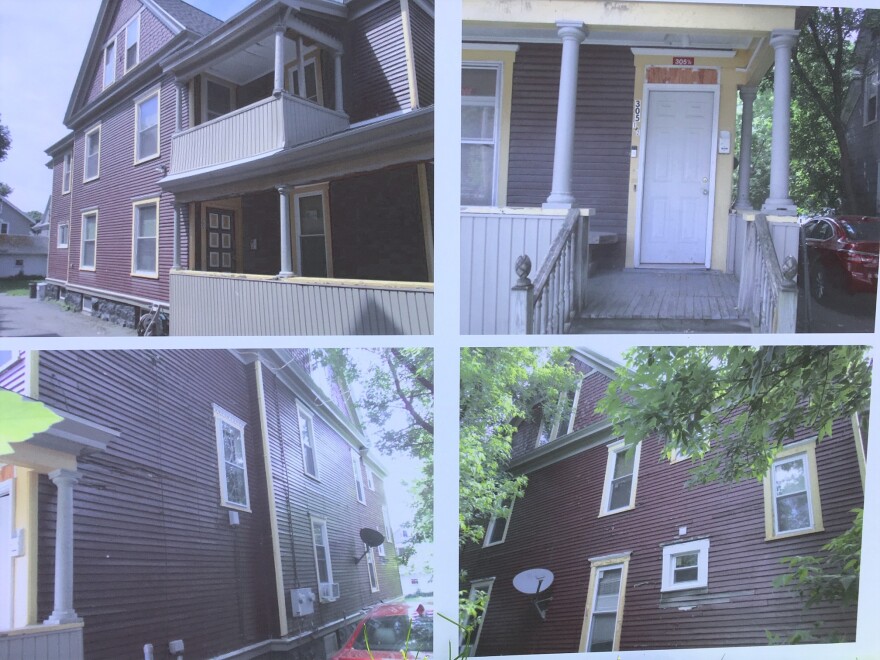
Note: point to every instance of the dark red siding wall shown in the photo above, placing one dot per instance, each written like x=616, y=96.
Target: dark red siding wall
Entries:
x=332, y=497
x=603, y=129
x=375, y=64
x=557, y=526
x=57, y=268
x=156, y=558
x=422, y=30
x=376, y=226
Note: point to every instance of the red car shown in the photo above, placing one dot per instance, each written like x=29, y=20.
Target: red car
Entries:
x=842, y=253
x=388, y=631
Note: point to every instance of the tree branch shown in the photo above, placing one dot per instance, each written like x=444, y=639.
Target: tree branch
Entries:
x=407, y=401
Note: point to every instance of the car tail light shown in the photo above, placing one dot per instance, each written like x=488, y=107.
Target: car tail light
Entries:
x=867, y=259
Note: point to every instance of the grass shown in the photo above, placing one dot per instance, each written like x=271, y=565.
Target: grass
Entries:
x=17, y=286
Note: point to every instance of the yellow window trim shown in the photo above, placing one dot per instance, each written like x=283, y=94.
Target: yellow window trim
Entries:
x=808, y=449
x=596, y=563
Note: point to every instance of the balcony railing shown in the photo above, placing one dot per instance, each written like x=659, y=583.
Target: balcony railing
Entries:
x=205, y=303
x=62, y=642
x=255, y=130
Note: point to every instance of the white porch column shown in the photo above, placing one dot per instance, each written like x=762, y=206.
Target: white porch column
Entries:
x=179, y=91
x=286, y=260
x=572, y=34
x=178, y=214
x=747, y=94
x=279, y=59
x=301, y=66
x=64, y=480
x=338, y=72
x=782, y=42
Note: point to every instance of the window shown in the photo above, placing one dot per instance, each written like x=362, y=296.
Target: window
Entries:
x=381, y=547
x=4, y=228
x=232, y=459
x=554, y=425
x=479, y=132
x=63, y=231
x=496, y=531
x=371, y=568
x=89, y=241
x=481, y=591
x=92, y=164
x=389, y=533
x=65, y=173
x=358, y=476
x=621, y=475
x=322, y=555
x=219, y=99
x=791, y=493
x=132, y=42
x=109, y=63
x=312, y=232
x=370, y=483
x=870, y=94
x=307, y=439
x=145, y=239
x=685, y=565
x=605, y=602
x=313, y=87
x=146, y=139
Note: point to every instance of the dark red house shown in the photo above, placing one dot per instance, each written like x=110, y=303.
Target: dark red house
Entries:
x=639, y=560
x=209, y=501
x=280, y=158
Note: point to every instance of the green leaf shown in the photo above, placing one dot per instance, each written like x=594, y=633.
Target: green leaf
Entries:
x=21, y=419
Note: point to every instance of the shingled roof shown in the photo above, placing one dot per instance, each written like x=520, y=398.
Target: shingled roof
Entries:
x=192, y=18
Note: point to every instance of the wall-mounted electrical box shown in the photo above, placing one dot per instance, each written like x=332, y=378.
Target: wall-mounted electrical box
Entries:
x=302, y=602
x=724, y=142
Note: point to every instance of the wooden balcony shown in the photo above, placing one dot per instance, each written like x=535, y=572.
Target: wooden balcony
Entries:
x=228, y=304
x=63, y=642
x=256, y=130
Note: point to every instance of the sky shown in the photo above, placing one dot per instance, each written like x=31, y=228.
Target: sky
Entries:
x=42, y=44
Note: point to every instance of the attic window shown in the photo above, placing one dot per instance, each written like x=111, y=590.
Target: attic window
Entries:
x=109, y=64
x=553, y=426
x=132, y=42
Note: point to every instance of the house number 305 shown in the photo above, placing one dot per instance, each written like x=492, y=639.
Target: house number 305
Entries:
x=637, y=115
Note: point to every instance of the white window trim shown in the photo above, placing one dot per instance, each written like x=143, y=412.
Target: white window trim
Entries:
x=321, y=189
x=381, y=547
x=137, y=59
x=670, y=552
x=293, y=75
x=386, y=521
x=326, y=544
x=807, y=450
x=484, y=584
x=66, y=235
x=304, y=413
x=371, y=563
x=66, y=172
x=86, y=177
x=556, y=430
x=614, y=449
x=495, y=142
x=137, y=114
x=154, y=274
x=233, y=99
x=104, y=84
x=4, y=228
x=82, y=239
x=370, y=483
x=224, y=416
x=491, y=528
x=360, y=489
x=599, y=565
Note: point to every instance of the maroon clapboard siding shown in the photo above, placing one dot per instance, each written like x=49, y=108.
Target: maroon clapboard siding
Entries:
x=155, y=556
x=422, y=30
x=556, y=526
x=375, y=64
x=12, y=377
x=60, y=213
x=603, y=129
x=378, y=214
x=331, y=497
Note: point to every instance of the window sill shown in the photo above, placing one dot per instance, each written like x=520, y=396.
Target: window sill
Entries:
x=94, y=178
x=146, y=276
x=147, y=159
x=89, y=269
x=602, y=514
x=236, y=507
x=787, y=535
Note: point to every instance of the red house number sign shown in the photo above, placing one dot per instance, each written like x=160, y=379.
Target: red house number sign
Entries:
x=683, y=61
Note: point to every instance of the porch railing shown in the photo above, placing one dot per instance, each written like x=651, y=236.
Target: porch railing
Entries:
x=556, y=297
x=221, y=304
x=255, y=130
x=47, y=642
x=767, y=291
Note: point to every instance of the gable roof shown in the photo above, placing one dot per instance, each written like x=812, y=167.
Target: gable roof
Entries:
x=191, y=18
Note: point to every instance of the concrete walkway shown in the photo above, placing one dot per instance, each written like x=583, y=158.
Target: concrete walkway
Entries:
x=27, y=317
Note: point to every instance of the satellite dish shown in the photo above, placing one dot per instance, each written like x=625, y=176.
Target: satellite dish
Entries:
x=371, y=537
x=533, y=581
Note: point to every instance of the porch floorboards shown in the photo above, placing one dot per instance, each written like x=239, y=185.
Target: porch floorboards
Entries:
x=655, y=300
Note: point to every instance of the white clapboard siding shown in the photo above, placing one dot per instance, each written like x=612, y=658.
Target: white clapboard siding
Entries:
x=226, y=305
x=490, y=245
x=51, y=643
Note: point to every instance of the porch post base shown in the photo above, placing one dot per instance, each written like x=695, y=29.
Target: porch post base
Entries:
x=558, y=202
x=60, y=618
x=779, y=207
x=285, y=273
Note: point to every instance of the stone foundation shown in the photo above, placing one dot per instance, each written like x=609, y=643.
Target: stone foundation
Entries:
x=118, y=313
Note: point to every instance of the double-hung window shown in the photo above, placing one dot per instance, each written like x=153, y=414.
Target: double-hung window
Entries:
x=496, y=531
x=605, y=601
x=307, y=439
x=145, y=238
x=146, y=139
x=313, y=231
x=109, y=63
x=480, y=83
x=4, y=228
x=370, y=483
x=66, y=168
x=621, y=477
x=323, y=564
x=88, y=240
x=63, y=235
x=132, y=42
x=685, y=565
x=232, y=459
x=481, y=591
x=92, y=160
x=358, y=476
x=371, y=568
x=562, y=421
x=791, y=493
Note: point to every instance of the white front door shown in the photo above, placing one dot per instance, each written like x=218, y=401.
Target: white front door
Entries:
x=5, y=556
x=678, y=175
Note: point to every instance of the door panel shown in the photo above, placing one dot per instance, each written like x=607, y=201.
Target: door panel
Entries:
x=677, y=174
x=220, y=238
